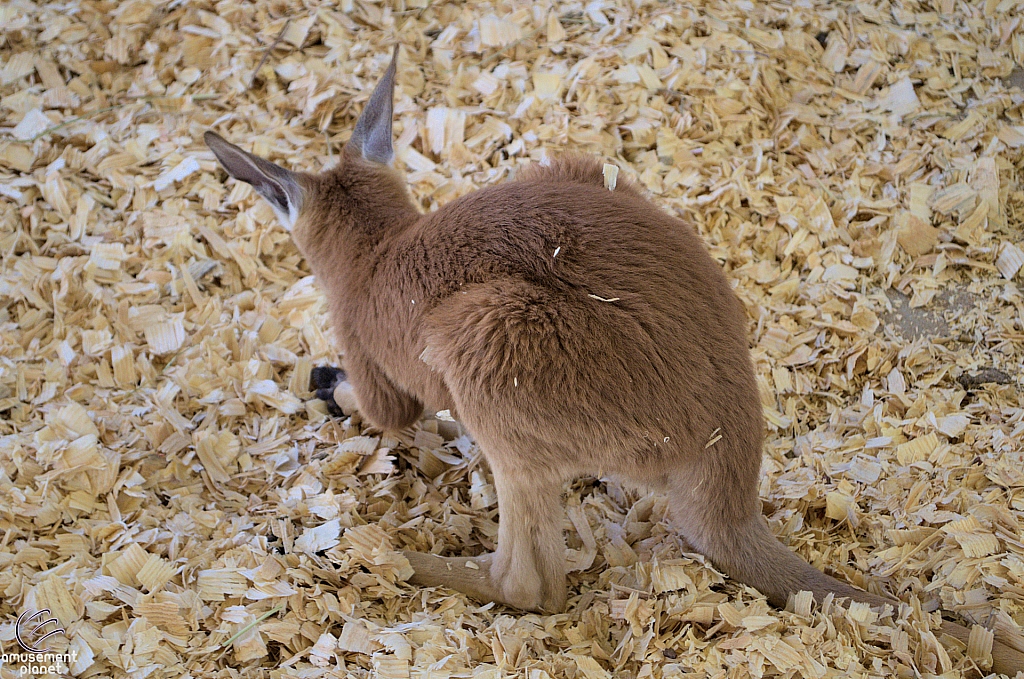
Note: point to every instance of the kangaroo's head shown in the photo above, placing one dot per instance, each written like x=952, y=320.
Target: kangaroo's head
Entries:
x=356, y=202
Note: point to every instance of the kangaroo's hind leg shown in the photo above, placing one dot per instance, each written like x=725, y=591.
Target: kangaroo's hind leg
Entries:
x=529, y=565
x=528, y=569
x=499, y=346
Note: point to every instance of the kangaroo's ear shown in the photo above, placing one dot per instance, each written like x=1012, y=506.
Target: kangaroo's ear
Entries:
x=372, y=136
x=280, y=187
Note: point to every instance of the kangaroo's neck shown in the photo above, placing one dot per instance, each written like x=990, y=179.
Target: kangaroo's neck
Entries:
x=368, y=227
x=358, y=211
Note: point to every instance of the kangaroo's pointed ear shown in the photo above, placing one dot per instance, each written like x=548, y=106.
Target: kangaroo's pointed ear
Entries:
x=372, y=136
x=280, y=187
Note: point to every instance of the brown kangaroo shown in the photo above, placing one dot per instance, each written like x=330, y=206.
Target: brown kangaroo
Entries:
x=573, y=329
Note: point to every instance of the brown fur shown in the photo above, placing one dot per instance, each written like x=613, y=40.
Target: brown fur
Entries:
x=469, y=309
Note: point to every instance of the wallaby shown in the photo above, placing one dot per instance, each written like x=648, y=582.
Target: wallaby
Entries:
x=574, y=330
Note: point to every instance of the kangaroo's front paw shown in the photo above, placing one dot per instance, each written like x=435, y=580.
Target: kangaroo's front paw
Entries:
x=331, y=387
x=325, y=377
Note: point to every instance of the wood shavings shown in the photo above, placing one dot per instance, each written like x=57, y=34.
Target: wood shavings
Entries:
x=32, y=124
x=1010, y=260
x=611, y=176
x=979, y=646
x=590, y=668
x=356, y=637
x=176, y=174
x=546, y=85
x=901, y=99
x=218, y=453
x=917, y=450
x=320, y=538
x=916, y=236
x=670, y=577
x=974, y=540
x=495, y=32
x=952, y=425
x=445, y=127
x=1012, y=135
x=390, y=667
x=165, y=337
x=216, y=584
x=953, y=198
x=171, y=490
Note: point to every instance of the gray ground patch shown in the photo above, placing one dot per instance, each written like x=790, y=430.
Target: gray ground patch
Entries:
x=1016, y=78
x=931, y=320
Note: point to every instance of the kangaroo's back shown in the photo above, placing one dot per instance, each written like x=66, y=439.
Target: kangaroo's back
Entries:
x=558, y=226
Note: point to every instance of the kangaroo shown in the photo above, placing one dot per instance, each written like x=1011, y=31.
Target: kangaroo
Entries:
x=574, y=330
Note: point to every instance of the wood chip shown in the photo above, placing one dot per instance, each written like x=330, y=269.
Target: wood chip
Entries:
x=611, y=176
x=1010, y=260
x=916, y=236
x=979, y=646
x=495, y=32
x=900, y=99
